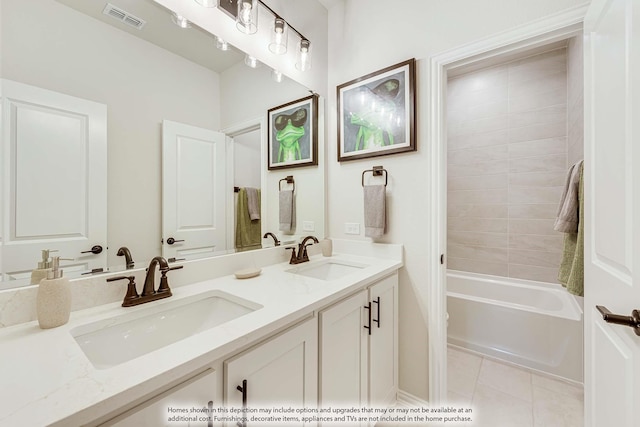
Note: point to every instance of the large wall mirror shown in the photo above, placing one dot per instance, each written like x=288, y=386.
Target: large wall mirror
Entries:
x=145, y=79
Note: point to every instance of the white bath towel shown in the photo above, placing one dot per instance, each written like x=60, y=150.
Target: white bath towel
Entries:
x=567, y=216
x=374, y=210
x=287, y=211
x=253, y=203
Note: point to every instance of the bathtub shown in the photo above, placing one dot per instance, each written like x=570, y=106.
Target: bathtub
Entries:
x=532, y=324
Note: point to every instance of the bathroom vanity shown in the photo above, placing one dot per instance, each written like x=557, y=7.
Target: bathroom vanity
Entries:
x=303, y=336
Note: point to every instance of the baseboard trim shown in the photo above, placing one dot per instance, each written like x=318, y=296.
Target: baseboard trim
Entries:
x=408, y=399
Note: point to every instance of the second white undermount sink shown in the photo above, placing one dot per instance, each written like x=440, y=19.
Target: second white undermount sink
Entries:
x=109, y=342
x=329, y=270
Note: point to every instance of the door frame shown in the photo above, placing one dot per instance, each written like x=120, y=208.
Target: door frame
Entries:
x=544, y=31
x=231, y=132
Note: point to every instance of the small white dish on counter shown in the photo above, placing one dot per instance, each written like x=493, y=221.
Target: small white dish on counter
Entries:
x=247, y=273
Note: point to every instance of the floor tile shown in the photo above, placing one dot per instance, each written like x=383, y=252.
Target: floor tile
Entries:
x=493, y=408
x=508, y=379
x=463, y=369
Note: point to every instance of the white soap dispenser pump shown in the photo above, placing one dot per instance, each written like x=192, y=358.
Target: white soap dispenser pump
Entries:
x=43, y=267
x=54, y=298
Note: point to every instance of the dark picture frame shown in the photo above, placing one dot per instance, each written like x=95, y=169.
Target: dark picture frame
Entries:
x=376, y=113
x=293, y=134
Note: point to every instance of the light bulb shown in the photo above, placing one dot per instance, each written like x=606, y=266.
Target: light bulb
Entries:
x=250, y=61
x=304, y=55
x=276, y=76
x=278, y=44
x=180, y=21
x=221, y=44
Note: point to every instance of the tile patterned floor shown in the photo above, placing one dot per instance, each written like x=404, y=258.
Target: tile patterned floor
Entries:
x=505, y=395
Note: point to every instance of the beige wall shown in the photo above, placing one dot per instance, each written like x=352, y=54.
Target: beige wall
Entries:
x=367, y=35
x=507, y=162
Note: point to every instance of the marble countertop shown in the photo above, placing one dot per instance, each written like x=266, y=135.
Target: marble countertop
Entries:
x=47, y=379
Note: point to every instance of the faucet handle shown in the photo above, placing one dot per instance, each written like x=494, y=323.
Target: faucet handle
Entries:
x=164, y=281
x=293, y=259
x=132, y=293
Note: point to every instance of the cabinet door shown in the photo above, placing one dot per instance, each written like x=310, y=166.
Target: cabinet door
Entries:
x=280, y=372
x=383, y=342
x=343, y=355
x=195, y=393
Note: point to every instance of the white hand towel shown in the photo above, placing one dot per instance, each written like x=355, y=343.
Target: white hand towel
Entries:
x=374, y=210
x=287, y=211
x=253, y=203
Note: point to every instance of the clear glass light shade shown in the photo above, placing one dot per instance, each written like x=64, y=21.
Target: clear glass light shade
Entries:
x=180, y=21
x=207, y=3
x=277, y=76
x=303, y=60
x=279, y=37
x=221, y=44
x=250, y=61
x=247, y=19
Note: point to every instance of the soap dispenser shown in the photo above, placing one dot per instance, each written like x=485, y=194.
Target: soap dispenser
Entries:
x=43, y=267
x=54, y=298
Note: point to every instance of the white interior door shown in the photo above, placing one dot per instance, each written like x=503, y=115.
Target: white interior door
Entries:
x=194, y=191
x=54, y=172
x=612, y=210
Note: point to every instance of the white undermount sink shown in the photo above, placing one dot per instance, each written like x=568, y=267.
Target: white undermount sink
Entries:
x=328, y=270
x=116, y=340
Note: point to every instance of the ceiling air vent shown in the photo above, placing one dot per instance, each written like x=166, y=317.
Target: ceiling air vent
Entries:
x=123, y=16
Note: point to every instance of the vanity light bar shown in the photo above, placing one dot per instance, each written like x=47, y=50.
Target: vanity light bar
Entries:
x=123, y=16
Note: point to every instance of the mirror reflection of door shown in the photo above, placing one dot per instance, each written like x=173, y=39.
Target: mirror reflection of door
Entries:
x=193, y=191
x=54, y=172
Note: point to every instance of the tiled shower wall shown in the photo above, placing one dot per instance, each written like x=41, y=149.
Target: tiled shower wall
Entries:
x=507, y=161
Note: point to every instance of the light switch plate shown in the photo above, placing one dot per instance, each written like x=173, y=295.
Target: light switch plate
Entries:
x=308, y=226
x=351, y=228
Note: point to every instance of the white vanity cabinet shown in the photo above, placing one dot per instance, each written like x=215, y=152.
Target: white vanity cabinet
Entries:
x=280, y=372
x=358, y=348
x=193, y=398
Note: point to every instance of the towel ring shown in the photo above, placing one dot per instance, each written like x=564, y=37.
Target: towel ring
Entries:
x=377, y=171
x=288, y=180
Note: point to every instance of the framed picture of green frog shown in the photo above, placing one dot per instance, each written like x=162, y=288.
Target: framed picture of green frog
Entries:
x=293, y=134
x=376, y=113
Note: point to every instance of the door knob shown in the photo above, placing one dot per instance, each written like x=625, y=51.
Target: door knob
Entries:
x=171, y=240
x=632, y=321
x=94, y=250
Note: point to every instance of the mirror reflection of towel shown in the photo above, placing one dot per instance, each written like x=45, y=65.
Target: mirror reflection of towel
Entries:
x=375, y=220
x=287, y=211
x=248, y=232
x=253, y=203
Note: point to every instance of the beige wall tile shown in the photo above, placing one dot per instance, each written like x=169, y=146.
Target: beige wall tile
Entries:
x=533, y=211
x=473, y=238
x=478, y=211
x=478, y=182
x=536, y=258
x=538, y=179
x=537, y=195
x=479, y=140
x=463, y=197
x=536, y=242
x=470, y=156
x=481, y=168
x=539, y=131
x=478, y=253
x=486, y=225
x=544, y=98
x=532, y=226
x=548, y=163
x=557, y=145
x=545, y=115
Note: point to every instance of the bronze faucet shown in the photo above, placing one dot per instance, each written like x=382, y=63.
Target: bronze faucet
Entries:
x=124, y=251
x=302, y=255
x=275, y=239
x=149, y=293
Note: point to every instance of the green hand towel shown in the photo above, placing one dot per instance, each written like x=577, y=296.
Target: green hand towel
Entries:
x=571, y=273
x=248, y=232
